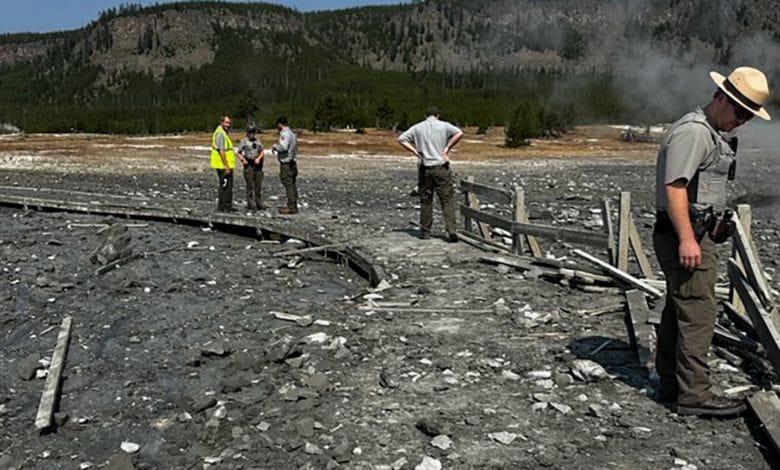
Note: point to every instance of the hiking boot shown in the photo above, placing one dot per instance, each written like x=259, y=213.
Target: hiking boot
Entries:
x=287, y=211
x=452, y=237
x=717, y=406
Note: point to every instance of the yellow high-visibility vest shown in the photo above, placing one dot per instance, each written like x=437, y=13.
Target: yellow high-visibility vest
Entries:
x=230, y=154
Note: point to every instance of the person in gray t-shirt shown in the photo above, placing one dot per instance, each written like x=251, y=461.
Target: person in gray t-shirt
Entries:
x=251, y=153
x=431, y=141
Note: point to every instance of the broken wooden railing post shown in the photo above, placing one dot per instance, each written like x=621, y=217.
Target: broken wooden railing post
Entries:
x=639, y=330
x=762, y=318
x=624, y=211
x=745, y=215
x=522, y=216
x=606, y=215
x=51, y=390
x=766, y=407
x=621, y=275
x=751, y=264
x=639, y=252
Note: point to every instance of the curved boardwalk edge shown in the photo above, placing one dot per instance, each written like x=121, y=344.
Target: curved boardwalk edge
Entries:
x=235, y=224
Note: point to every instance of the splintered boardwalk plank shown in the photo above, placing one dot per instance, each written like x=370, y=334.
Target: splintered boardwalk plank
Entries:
x=763, y=321
x=752, y=265
x=624, y=211
x=638, y=328
x=621, y=275
x=51, y=389
x=766, y=406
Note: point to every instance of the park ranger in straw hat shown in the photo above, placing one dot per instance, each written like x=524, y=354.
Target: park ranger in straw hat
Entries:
x=694, y=162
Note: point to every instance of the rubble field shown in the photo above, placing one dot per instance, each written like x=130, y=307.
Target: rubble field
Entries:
x=213, y=353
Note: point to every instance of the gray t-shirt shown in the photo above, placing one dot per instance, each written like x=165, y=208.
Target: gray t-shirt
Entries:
x=287, y=146
x=430, y=137
x=220, y=141
x=683, y=149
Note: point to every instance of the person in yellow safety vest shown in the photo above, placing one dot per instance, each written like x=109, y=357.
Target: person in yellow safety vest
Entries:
x=223, y=159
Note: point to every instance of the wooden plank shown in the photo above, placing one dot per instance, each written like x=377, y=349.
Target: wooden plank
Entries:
x=522, y=216
x=606, y=215
x=593, y=239
x=467, y=222
x=497, y=195
x=766, y=407
x=311, y=249
x=740, y=320
x=745, y=215
x=51, y=390
x=721, y=291
x=762, y=320
x=473, y=203
x=507, y=261
x=638, y=330
x=621, y=275
x=424, y=310
x=489, y=219
x=623, y=230
x=752, y=267
x=738, y=341
x=476, y=241
x=639, y=252
x=355, y=260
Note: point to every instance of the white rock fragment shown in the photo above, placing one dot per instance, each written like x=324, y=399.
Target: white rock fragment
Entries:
x=540, y=406
x=561, y=408
x=263, y=426
x=503, y=437
x=442, y=442
x=538, y=374
x=428, y=463
x=509, y=375
x=399, y=464
x=587, y=370
x=130, y=447
x=317, y=338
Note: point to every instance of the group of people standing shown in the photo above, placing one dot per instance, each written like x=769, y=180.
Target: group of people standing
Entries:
x=251, y=155
x=694, y=163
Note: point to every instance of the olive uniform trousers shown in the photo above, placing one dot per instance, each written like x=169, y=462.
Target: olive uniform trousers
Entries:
x=254, y=186
x=288, y=173
x=687, y=322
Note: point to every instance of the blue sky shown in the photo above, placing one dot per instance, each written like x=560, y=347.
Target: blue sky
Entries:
x=54, y=15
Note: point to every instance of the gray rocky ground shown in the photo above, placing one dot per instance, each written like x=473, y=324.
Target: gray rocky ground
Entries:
x=181, y=353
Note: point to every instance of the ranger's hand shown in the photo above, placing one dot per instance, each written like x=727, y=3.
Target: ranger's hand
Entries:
x=690, y=254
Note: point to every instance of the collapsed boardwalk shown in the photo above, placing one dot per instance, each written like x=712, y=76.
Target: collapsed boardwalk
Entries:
x=397, y=376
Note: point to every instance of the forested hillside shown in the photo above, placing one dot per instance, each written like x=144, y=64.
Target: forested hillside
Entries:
x=177, y=66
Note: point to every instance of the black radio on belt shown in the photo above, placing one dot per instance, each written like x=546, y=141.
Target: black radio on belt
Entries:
x=733, y=143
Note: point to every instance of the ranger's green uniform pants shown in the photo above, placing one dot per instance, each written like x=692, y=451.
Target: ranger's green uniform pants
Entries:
x=688, y=320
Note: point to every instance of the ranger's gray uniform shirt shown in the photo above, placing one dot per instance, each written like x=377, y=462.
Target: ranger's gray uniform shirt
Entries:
x=694, y=151
x=430, y=137
x=249, y=151
x=287, y=147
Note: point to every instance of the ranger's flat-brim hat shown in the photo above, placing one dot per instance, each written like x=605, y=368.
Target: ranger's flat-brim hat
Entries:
x=748, y=87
